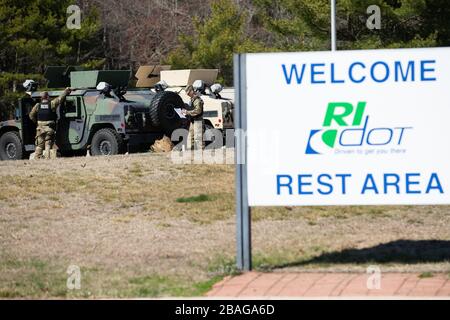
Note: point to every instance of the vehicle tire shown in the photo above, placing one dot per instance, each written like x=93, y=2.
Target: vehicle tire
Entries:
x=106, y=142
x=11, y=147
x=208, y=127
x=162, y=113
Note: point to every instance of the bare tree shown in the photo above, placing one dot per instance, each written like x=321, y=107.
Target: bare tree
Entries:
x=143, y=31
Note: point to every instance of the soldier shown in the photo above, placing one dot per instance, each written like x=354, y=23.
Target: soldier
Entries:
x=44, y=115
x=195, y=138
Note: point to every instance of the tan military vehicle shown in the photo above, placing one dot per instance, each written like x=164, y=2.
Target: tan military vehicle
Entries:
x=218, y=111
x=218, y=102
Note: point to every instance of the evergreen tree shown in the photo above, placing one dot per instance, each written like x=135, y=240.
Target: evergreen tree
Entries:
x=33, y=35
x=214, y=41
x=298, y=25
x=294, y=25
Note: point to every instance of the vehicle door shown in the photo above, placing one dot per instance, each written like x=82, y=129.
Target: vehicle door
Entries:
x=28, y=126
x=72, y=122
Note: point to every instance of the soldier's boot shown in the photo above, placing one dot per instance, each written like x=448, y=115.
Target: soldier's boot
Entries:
x=53, y=153
x=38, y=153
x=40, y=144
x=46, y=153
x=48, y=146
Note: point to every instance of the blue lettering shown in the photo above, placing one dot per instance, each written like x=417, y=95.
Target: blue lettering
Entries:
x=350, y=72
x=372, y=71
x=293, y=70
x=410, y=183
x=302, y=183
x=401, y=133
x=391, y=183
x=285, y=184
x=390, y=134
x=314, y=72
x=363, y=129
x=343, y=177
x=372, y=185
x=434, y=177
x=423, y=69
x=380, y=71
x=399, y=70
x=326, y=184
x=333, y=79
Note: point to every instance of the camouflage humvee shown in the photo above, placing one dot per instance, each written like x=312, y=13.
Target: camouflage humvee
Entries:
x=99, y=119
x=218, y=110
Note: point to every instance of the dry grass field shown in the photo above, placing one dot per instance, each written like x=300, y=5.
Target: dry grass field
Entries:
x=140, y=226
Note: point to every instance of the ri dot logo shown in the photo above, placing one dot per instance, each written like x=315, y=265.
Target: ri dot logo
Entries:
x=346, y=125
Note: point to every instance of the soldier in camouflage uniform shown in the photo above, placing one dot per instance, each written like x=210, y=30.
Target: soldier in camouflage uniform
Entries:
x=195, y=138
x=44, y=115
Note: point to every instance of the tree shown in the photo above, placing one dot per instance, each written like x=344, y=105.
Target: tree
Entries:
x=403, y=24
x=298, y=25
x=33, y=35
x=143, y=32
x=294, y=25
x=214, y=41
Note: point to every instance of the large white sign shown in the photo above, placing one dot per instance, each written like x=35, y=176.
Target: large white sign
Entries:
x=348, y=127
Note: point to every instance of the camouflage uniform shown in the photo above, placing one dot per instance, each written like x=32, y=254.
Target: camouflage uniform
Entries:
x=195, y=138
x=44, y=114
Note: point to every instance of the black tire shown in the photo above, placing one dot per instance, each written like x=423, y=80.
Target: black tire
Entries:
x=162, y=113
x=106, y=142
x=208, y=127
x=11, y=147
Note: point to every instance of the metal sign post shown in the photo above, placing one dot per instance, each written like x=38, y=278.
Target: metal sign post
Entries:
x=243, y=225
x=333, y=25
x=243, y=211
x=361, y=161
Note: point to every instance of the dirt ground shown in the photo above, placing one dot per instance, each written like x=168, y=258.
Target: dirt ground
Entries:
x=140, y=226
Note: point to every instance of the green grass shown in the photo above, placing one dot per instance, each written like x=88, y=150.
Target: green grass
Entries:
x=36, y=278
x=154, y=286
x=426, y=275
x=267, y=261
x=223, y=266
x=32, y=277
x=201, y=288
x=163, y=286
x=200, y=198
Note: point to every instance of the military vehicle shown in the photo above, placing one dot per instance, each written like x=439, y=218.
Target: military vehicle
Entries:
x=96, y=116
x=218, y=111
